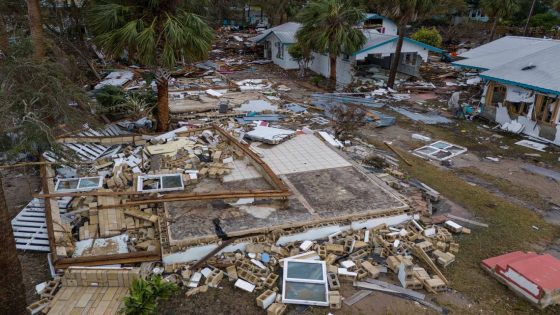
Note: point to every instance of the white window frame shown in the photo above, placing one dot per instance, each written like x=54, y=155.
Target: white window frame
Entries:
x=436, y=150
x=78, y=188
x=310, y=281
x=142, y=178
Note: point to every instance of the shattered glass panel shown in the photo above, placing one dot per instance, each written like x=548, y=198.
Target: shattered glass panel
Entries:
x=441, y=145
x=67, y=184
x=90, y=182
x=442, y=154
x=308, y=271
x=306, y=291
x=172, y=181
x=426, y=150
x=150, y=184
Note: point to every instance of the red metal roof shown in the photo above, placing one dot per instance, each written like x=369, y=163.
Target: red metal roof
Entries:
x=504, y=260
x=543, y=270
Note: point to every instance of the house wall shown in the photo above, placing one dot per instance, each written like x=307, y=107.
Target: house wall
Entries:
x=286, y=62
x=390, y=27
x=344, y=68
x=495, y=108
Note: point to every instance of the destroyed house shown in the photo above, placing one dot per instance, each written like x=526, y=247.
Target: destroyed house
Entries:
x=127, y=198
x=522, y=86
x=533, y=276
x=377, y=52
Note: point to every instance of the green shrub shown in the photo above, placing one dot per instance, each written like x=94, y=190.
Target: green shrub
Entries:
x=545, y=20
x=109, y=96
x=429, y=36
x=144, y=295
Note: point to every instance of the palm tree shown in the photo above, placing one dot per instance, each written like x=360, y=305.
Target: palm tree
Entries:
x=403, y=12
x=328, y=27
x=36, y=28
x=157, y=33
x=496, y=10
x=12, y=291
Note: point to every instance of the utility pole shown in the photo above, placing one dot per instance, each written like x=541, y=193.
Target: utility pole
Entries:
x=529, y=17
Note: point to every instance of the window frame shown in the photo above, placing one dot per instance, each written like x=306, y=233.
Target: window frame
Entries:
x=142, y=178
x=323, y=282
x=78, y=188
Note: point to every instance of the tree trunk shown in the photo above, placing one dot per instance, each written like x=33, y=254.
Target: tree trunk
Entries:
x=493, y=30
x=4, y=38
x=12, y=291
x=36, y=27
x=332, y=75
x=529, y=18
x=162, y=81
x=396, y=58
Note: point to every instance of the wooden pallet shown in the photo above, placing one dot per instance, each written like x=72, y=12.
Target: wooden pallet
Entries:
x=30, y=225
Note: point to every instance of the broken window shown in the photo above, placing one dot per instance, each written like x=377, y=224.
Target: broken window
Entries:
x=546, y=109
x=496, y=94
x=305, y=282
x=78, y=184
x=165, y=182
x=440, y=151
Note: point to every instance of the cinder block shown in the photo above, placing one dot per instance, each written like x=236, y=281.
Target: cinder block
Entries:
x=271, y=280
x=334, y=284
x=232, y=273
x=214, y=278
x=276, y=309
x=371, y=269
x=266, y=299
x=335, y=300
x=336, y=249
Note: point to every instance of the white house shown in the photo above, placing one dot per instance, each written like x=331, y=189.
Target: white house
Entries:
x=522, y=84
x=381, y=24
x=378, y=51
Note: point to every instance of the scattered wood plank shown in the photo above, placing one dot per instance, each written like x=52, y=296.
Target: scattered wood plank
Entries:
x=141, y=215
x=397, y=153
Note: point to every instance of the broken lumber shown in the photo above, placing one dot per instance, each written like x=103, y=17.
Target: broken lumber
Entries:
x=397, y=153
x=141, y=215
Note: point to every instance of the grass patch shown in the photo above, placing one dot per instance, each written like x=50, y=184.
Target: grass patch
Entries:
x=526, y=194
x=510, y=230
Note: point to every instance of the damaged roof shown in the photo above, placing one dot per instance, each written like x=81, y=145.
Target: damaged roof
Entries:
x=539, y=71
x=503, y=51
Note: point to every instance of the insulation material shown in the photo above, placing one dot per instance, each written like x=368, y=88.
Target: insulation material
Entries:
x=516, y=94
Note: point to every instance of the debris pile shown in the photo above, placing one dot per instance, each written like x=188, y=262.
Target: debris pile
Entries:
x=410, y=255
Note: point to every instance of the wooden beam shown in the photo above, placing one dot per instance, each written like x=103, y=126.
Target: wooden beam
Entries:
x=211, y=254
x=233, y=193
x=100, y=260
x=397, y=153
x=490, y=94
x=48, y=214
x=257, y=195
